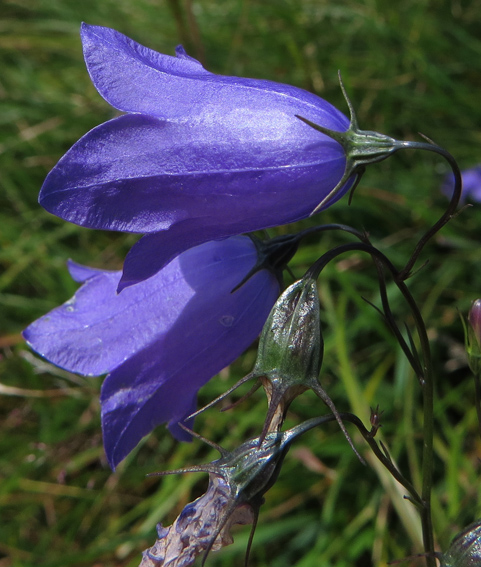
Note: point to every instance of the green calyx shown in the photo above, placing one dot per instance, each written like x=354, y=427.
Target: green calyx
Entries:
x=362, y=147
x=251, y=469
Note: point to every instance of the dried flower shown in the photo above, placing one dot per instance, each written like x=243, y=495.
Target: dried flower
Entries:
x=202, y=526
x=237, y=484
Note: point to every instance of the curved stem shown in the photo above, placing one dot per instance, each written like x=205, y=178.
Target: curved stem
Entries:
x=332, y=226
x=410, y=352
x=450, y=211
x=363, y=237
x=381, y=454
x=426, y=382
x=276, y=252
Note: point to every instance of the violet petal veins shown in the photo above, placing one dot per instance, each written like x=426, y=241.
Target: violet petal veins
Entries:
x=200, y=155
x=160, y=340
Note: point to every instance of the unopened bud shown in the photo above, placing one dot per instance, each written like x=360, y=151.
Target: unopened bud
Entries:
x=473, y=337
x=465, y=549
x=289, y=356
x=290, y=346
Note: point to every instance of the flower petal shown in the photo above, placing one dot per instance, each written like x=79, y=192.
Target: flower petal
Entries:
x=153, y=251
x=80, y=273
x=162, y=339
x=160, y=383
x=109, y=178
x=98, y=329
x=79, y=334
x=224, y=149
x=139, y=174
x=132, y=77
x=136, y=79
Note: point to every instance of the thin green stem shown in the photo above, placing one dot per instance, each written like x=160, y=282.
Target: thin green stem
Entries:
x=427, y=382
x=382, y=455
x=477, y=398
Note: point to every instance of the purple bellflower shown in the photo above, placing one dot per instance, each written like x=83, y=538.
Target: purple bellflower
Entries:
x=471, y=184
x=159, y=341
x=196, y=157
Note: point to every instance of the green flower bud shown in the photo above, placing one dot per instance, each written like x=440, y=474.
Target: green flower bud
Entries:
x=290, y=355
x=291, y=347
x=473, y=337
x=465, y=549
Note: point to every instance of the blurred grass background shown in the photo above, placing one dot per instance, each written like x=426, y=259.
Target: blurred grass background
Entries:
x=409, y=67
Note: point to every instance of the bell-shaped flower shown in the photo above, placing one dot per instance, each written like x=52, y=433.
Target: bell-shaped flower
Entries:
x=199, y=156
x=196, y=157
x=162, y=339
